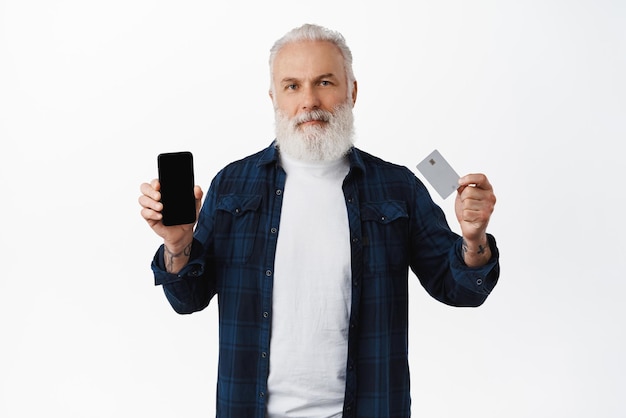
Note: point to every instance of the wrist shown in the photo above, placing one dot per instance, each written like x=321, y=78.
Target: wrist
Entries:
x=179, y=245
x=477, y=247
x=176, y=258
x=179, y=249
x=476, y=253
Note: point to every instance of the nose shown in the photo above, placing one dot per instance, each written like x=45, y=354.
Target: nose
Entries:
x=310, y=99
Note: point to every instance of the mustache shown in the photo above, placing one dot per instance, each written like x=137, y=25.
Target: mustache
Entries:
x=317, y=114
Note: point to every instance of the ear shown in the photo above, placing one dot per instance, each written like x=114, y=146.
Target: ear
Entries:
x=271, y=95
x=354, y=91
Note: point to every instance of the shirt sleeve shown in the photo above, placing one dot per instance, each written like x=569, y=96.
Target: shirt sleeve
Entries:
x=478, y=282
x=193, y=269
x=437, y=257
x=191, y=289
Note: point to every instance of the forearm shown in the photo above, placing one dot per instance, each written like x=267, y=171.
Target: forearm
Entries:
x=175, y=257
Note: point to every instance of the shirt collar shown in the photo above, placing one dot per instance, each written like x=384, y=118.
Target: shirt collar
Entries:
x=269, y=155
x=356, y=159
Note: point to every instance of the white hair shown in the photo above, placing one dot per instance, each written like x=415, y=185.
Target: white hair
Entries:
x=316, y=143
x=310, y=32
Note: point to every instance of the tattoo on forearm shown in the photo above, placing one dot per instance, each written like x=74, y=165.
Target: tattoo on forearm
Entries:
x=170, y=256
x=481, y=248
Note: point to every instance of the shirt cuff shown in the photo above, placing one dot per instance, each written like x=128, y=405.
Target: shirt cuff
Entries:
x=481, y=279
x=193, y=269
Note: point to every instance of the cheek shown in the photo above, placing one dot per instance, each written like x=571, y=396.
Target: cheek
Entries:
x=285, y=106
x=331, y=102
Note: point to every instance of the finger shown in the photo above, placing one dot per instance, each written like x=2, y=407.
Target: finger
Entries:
x=150, y=215
x=149, y=203
x=477, y=193
x=473, y=205
x=478, y=219
x=474, y=209
x=197, y=192
x=472, y=217
x=149, y=190
x=478, y=205
x=477, y=180
x=485, y=196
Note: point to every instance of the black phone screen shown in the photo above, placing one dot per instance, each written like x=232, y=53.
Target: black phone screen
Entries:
x=177, y=183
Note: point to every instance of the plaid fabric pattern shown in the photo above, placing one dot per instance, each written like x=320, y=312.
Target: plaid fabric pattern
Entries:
x=394, y=227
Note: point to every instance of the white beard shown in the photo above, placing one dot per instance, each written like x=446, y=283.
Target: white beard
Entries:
x=327, y=142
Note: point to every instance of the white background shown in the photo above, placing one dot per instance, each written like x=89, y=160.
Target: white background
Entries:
x=530, y=92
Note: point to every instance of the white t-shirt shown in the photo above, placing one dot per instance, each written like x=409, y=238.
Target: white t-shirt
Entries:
x=311, y=294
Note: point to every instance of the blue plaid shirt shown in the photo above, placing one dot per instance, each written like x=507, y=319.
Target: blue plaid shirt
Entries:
x=394, y=226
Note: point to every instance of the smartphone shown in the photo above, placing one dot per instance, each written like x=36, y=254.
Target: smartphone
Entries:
x=177, y=183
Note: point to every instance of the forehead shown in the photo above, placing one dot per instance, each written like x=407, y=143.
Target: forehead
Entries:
x=305, y=59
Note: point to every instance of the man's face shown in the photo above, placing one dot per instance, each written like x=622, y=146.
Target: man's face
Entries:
x=307, y=76
x=313, y=112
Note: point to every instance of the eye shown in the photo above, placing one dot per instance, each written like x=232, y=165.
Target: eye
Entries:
x=325, y=83
x=292, y=86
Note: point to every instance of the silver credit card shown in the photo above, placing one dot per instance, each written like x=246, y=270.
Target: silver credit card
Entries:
x=439, y=174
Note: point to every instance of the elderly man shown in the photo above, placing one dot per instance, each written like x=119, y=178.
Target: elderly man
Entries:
x=308, y=244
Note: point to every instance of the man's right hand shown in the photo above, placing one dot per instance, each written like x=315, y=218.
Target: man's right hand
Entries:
x=177, y=238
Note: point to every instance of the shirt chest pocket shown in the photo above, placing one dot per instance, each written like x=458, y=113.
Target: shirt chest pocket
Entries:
x=385, y=233
x=236, y=227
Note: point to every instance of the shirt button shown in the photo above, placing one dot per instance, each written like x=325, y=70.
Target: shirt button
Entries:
x=264, y=354
x=355, y=240
x=383, y=218
x=266, y=314
x=237, y=210
x=350, y=200
x=479, y=281
x=268, y=273
x=262, y=394
x=273, y=230
x=278, y=192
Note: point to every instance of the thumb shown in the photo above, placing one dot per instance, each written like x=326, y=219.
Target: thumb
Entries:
x=197, y=192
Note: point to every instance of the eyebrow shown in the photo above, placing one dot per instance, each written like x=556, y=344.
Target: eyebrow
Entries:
x=319, y=77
